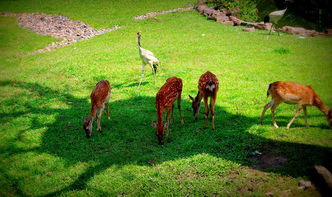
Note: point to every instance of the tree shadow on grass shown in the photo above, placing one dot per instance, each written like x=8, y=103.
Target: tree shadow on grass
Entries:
x=129, y=139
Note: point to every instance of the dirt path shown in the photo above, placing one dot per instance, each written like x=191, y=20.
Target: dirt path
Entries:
x=70, y=31
x=153, y=14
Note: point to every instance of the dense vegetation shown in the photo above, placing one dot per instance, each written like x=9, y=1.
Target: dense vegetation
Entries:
x=256, y=10
x=43, y=148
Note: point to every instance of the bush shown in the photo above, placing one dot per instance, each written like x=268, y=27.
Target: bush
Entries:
x=248, y=10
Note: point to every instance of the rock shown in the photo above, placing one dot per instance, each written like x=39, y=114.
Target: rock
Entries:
x=235, y=20
x=299, y=31
x=222, y=19
x=249, y=29
x=269, y=193
x=228, y=23
x=304, y=184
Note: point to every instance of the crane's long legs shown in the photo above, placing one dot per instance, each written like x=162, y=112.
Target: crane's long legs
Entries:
x=154, y=74
x=143, y=65
x=271, y=28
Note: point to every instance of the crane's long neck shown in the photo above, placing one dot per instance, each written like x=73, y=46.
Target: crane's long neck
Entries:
x=139, y=41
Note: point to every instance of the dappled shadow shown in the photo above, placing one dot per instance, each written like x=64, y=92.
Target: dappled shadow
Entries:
x=129, y=85
x=129, y=139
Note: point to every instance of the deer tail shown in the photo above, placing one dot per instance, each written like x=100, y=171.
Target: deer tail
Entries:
x=211, y=85
x=268, y=90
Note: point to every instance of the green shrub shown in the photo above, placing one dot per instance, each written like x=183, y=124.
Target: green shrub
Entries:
x=248, y=10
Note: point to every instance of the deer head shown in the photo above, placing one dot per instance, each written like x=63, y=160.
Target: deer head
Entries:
x=196, y=104
x=160, y=131
x=87, y=126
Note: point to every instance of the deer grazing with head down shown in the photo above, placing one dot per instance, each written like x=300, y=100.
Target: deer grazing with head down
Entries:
x=165, y=98
x=208, y=86
x=294, y=93
x=99, y=98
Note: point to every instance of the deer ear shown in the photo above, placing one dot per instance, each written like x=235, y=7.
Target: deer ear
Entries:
x=154, y=124
x=191, y=98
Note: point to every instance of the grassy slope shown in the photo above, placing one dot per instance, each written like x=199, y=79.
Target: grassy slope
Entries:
x=43, y=149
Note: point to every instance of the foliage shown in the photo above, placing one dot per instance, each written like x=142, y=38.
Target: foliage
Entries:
x=248, y=9
x=43, y=148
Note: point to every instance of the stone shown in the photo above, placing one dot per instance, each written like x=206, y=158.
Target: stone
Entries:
x=304, y=184
x=249, y=29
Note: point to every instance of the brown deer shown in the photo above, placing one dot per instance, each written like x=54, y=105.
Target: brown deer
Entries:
x=165, y=98
x=294, y=93
x=208, y=86
x=99, y=98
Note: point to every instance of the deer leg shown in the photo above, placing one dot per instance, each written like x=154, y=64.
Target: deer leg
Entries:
x=298, y=110
x=273, y=108
x=267, y=106
x=98, y=119
x=179, y=107
x=305, y=116
x=212, y=103
x=143, y=65
x=172, y=116
x=108, y=110
x=206, y=111
x=167, y=120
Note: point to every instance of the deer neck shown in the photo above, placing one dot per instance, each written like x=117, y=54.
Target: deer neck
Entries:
x=160, y=125
x=198, y=97
x=160, y=115
x=93, y=113
x=320, y=105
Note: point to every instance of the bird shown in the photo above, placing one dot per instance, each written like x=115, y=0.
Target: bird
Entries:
x=275, y=16
x=147, y=58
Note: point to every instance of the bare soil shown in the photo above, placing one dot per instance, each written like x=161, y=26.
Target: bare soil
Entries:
x=61, y=27
x=153, y=14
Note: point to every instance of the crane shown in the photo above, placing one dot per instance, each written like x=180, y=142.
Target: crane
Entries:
x=275, y=16
x=147, y=58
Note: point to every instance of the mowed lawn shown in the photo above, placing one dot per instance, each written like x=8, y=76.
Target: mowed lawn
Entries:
x=43, y=97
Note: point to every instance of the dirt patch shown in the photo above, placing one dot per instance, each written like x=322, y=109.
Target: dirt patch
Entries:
x=61, y=27
x=250, y=182
x=269, y=160
x=153, y=14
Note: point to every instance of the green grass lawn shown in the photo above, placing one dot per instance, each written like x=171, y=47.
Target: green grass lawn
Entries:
x=43, y=97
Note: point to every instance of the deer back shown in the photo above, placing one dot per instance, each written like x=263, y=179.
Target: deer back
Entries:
x=291, y=92
x=208, y=84
x=100, y=94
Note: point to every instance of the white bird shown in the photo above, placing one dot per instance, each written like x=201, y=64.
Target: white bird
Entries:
x=147, y=58
x=275, y=16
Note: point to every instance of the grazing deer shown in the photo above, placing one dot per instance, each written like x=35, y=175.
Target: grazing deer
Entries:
x=165, y=98
x=208, y=86
x=294, y=93
x=99, y=98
